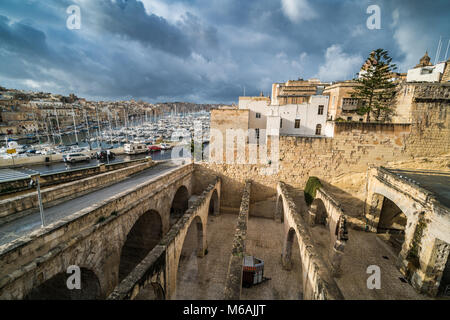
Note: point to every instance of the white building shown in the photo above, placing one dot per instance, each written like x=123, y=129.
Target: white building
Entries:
x=426, y=73
x=305, y=119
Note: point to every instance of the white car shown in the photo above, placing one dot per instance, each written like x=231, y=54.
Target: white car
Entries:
x=135, y=148
x=76, y=157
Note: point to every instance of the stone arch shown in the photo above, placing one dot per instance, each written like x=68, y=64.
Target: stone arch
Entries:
x=376, y=197
x=279, y=214
x=180, y=204
x=319, y=212
x=214, y=205
x=152, y=291
x=193, y=247
x=141, y=239
x=56, y=288
x=287, y=250
x=291, y=256
x=391, y=219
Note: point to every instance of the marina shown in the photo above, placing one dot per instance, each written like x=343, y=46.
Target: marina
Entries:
x=156, y=137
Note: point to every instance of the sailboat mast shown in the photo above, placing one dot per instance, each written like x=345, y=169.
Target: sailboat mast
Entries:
x=98, y=125
x=75, y=125
x=110, y=128
x=57, y=122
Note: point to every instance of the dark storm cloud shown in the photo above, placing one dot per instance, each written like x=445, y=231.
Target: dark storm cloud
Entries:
x=127, y=18
x=203, y=50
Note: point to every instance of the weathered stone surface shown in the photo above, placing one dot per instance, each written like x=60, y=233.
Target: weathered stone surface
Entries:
x=233, y=285
x=91, y=238
x=426, y=230
x=318, y=283
x=159, y=268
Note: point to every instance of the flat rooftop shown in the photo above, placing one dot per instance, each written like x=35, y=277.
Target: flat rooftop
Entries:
x=436, y=182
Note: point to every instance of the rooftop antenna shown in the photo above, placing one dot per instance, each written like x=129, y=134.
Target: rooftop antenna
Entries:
x=446, y=52
x=438, y=51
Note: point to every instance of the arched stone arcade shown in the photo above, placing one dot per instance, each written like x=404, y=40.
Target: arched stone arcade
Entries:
x=142, y=238
x=56, y=288
x=318, y=212
x=214, y=204
x=180, y=204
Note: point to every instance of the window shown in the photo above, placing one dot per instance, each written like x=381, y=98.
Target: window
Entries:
x=258, y=115
x=318, y=129
x=350, y=104
x=257, y=133
x=320, y=109
x=297, y=123
x=281, y=123
x=426, y=71
x=349, y=118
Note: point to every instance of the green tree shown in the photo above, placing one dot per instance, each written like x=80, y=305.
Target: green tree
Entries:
x=376, y=90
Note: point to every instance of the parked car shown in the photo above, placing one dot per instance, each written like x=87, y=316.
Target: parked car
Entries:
x=76, y=157
x=103, y=155
x=154, y=148
x=134, y=148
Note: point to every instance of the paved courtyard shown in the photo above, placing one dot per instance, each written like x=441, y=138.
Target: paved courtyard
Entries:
x=204, y=278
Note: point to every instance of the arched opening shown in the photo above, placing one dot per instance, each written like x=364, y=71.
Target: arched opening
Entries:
x=318, y=208
x=323, y=239
x=280, y=209
x=142, y=238
x=189, y=269
x=180, y=204
x=56, y=288
x=152, y=291
x=291, y=260
x=214, y=204
x=392, y=224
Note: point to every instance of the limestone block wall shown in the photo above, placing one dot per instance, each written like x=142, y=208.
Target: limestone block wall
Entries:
x=22, y=205
x=430, y=113
x=353, y=148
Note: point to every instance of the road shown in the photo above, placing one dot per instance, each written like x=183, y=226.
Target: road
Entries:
x=27, y=224
x=437, y=182
x=157, y=156
x=61, y=166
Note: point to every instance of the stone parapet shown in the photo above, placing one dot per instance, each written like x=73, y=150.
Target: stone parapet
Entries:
x=23, y=205
x=318, y=282
x=233, y=285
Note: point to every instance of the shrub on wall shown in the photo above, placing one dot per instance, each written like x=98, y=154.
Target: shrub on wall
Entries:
x=310, y=189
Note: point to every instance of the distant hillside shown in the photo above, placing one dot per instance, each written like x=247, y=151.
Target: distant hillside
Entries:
x=185, y=106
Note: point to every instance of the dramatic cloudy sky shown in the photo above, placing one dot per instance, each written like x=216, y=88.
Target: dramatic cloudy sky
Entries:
x=204, y=50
